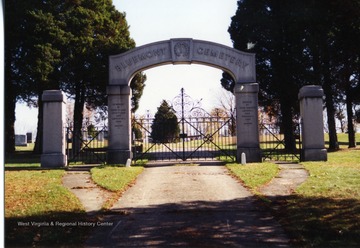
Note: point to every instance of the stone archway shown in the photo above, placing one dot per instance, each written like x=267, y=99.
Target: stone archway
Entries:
x=239, y=64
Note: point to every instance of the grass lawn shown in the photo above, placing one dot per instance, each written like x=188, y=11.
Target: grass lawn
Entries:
x=34, y=198
x=37, y=205
x=343, y=140
x=116, y=179
x=254, y=175
x=325, y=210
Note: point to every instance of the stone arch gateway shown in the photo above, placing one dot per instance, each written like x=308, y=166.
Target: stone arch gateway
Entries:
x=239, y=64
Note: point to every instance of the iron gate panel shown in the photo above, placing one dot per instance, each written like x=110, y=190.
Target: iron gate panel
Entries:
x=272, y=143
x=199, y=134
x=200, y=138
x=89, y=146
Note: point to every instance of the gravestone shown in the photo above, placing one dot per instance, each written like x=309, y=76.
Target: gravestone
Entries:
x=20, y=140
x=312, y=123
x=29, y=138
x=53, y=154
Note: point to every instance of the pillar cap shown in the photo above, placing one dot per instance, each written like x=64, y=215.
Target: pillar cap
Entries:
x=53, y=96
x=311, y=91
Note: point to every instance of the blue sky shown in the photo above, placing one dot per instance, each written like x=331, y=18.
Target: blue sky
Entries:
x=157, y=20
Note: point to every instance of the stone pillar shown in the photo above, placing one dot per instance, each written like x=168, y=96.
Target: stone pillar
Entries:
x=53, y=151
x=312, y=123
x=247, y=123
x=119, y=149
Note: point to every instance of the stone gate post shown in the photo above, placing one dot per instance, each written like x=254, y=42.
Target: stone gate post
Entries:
x=247, y=123
x=119, y=148
x=312, y=123
x=53, y=151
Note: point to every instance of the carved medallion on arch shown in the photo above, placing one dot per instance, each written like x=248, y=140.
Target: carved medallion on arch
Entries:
x=181, y=50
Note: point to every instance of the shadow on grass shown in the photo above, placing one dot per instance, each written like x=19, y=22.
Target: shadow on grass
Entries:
x=319, y=221
x=50, y=230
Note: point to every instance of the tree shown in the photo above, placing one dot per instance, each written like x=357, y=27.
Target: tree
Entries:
x=297, y=43
x=30, y=57
x=274, y=31
x=96, y=30
x=137, y=85
x=61, y=45
x=165, y=127
x=226, y=108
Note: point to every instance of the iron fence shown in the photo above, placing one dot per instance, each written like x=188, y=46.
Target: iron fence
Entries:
x=88, y=146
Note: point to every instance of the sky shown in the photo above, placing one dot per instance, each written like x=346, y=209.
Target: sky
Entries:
x=157, y=20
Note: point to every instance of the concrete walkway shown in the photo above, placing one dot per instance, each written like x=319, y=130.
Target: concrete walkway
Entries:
x=186, y=206
x=285, y=183
x=90, y=195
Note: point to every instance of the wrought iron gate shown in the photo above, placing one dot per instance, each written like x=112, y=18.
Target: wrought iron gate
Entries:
x=89, y=146
x=272, y=143
x=200, y=135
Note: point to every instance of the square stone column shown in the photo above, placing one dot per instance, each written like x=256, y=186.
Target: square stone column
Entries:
x=53, y=151
x=119, y=149
x=247, y=123
x=312, y=123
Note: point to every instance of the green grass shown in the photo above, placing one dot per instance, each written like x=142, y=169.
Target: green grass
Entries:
x=254, y=175
x=337, y=178
x=30, y=193
x=343, y=140
x=38, y=196
x=325, y=210
x=116, y=179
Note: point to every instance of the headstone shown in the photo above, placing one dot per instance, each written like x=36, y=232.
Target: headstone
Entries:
x=29, y=138
x=20, y=140
x=100, y=136
x=312, y=123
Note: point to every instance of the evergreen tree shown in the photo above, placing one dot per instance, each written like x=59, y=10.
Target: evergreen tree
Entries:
x=137, y=86
x=30, y=57
x=61, y=45
x=297, y=43
x=274, y=31
x=165, y=128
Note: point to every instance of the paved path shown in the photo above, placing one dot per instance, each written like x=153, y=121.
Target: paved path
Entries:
x=188, y=206
x=90, y=195
x=285, y=183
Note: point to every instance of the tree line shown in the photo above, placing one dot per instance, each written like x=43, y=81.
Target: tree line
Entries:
x=301, y=42
x=65, y=44
x=61, y=44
